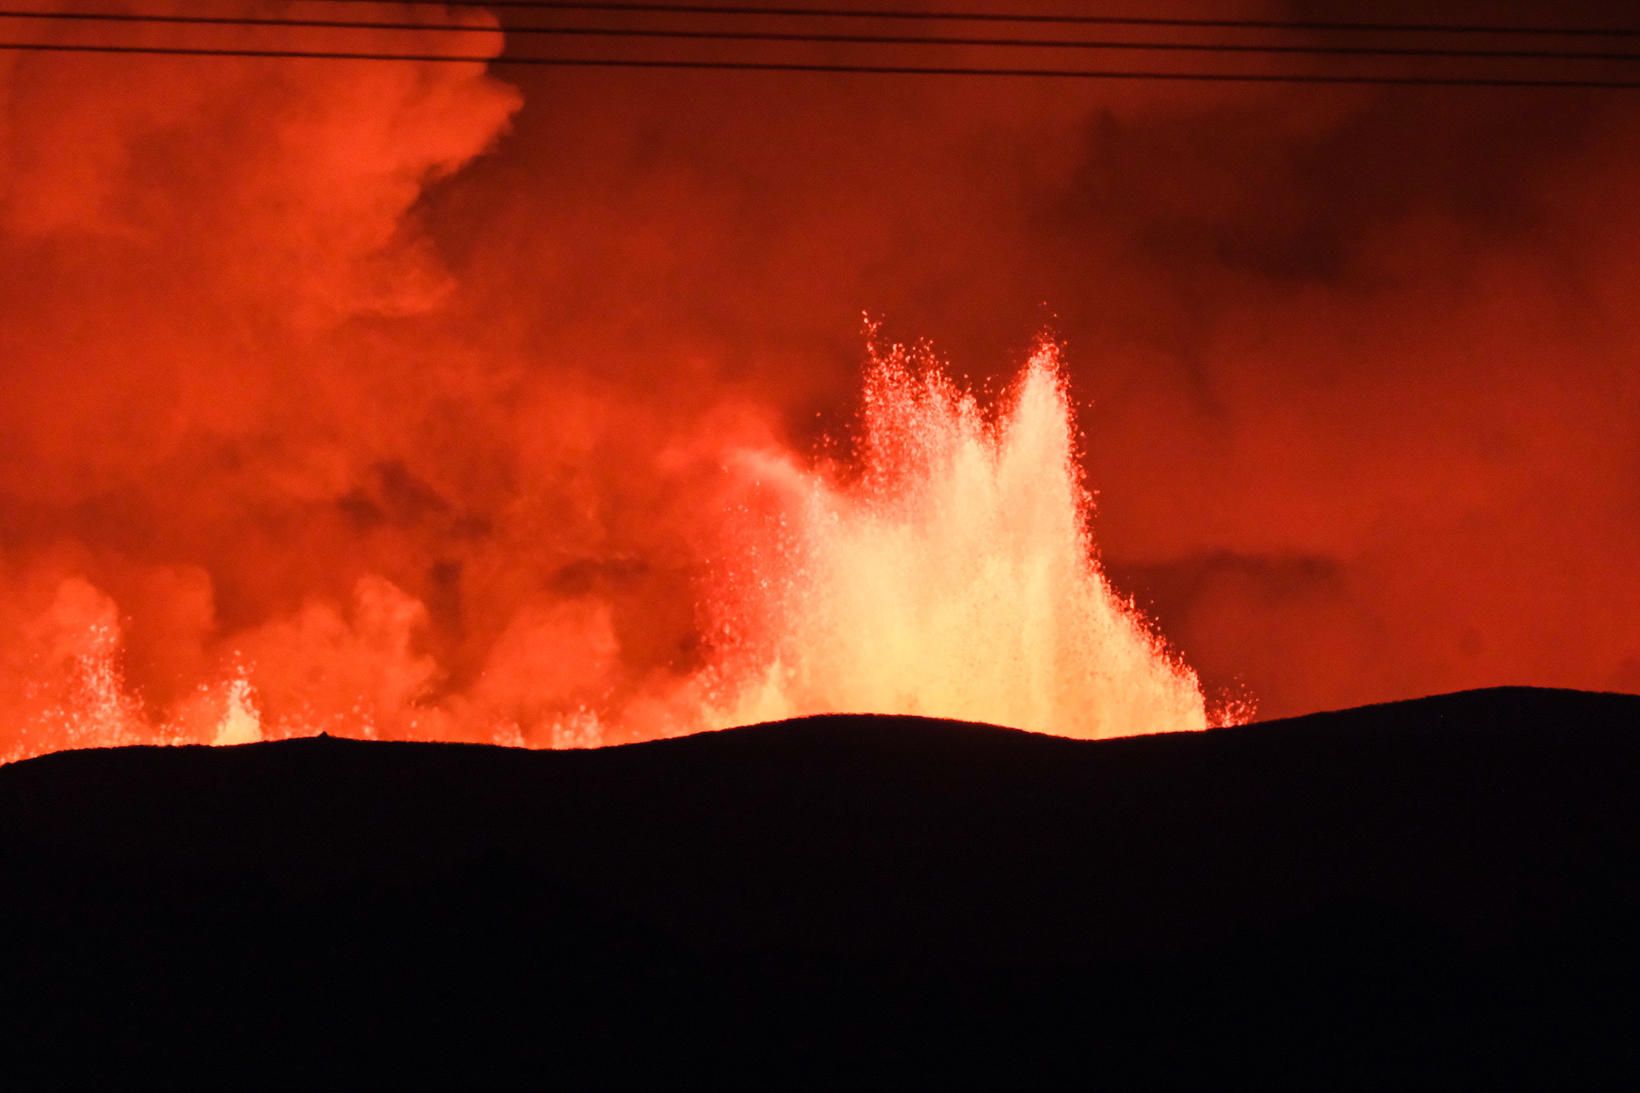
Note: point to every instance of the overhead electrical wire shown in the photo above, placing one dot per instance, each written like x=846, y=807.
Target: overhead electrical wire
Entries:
x=813, y=38
x=858, y=69
x=1066, y=18
x=920, y=42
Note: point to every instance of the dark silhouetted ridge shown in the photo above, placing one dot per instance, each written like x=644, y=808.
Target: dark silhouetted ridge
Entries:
x=1449, y=878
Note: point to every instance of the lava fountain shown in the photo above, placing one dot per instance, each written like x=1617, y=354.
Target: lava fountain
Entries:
x=951, y=573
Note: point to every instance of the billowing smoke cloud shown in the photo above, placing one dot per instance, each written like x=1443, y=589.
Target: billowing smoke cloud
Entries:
x=405, y=392
x=214, y=274
x=1356, y=360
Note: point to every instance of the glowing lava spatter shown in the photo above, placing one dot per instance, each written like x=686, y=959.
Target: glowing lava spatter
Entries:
x=947, y=570
x=241, y=723
x=952, y=575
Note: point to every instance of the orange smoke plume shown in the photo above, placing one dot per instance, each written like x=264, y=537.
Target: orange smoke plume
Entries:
x=412, y=401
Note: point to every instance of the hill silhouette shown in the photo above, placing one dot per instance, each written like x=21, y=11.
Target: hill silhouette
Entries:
x=1445, y=881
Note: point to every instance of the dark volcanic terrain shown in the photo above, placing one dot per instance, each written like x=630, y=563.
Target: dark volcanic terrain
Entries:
x=1450, y=881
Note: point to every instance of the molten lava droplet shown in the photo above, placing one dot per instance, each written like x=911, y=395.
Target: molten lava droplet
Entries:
x=953, y=574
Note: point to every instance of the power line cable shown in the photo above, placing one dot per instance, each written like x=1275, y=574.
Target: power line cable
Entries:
x=810, y=38
x=847, y=69
x=1067, y=18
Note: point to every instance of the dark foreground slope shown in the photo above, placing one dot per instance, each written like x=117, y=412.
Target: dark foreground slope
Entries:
x=1451, y=878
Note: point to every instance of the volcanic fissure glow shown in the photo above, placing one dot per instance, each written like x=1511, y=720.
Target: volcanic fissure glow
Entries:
x=948, y=570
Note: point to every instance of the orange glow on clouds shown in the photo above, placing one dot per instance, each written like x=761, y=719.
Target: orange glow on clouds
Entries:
x=458, y=402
